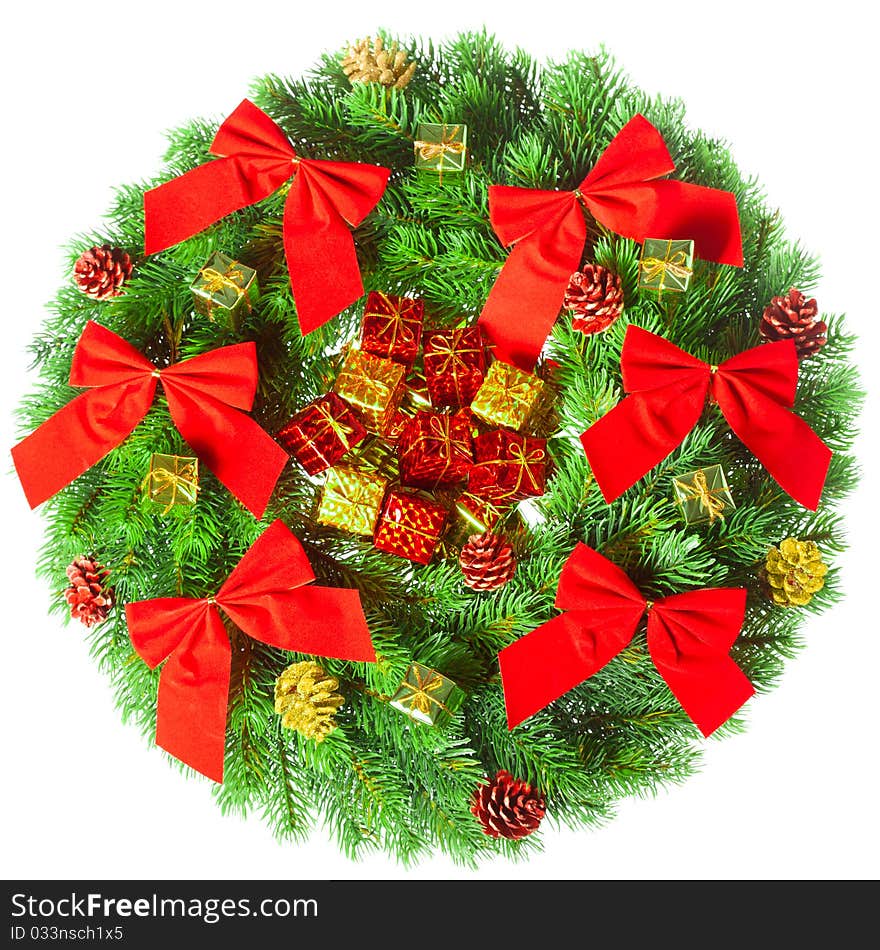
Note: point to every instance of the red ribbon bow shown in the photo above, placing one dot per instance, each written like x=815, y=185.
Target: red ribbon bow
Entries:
x=668, y=389
x=204, y=395
x=324, y=199
x=266, y=597
x=548, y=231
x=689, y=636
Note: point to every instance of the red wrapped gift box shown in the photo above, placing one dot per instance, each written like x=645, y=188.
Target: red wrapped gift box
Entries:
x=455, y=364
x=319, y=435
x=392, y=327
x=508, y=466
x=409, y=526
x=435, y=449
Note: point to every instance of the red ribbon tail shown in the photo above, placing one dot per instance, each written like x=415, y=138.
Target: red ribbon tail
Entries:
x=193, y=698
x=325, y=276
x=241, y=454
x=710, y=691
x=526, y=298
x=781, y=441
x=552, y=659
x=79, y=435
x=639, y=432
x=689, y=636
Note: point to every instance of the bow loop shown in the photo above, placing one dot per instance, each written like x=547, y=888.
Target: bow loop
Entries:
x=248, y=133
x=101, y=358
x=267, y=598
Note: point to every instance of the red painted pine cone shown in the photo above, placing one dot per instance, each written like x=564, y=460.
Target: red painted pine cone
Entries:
x=507, y=807
x=100, y=272
x=487, y=561
x=793, y=317
x=90, y=600
x=594, y=297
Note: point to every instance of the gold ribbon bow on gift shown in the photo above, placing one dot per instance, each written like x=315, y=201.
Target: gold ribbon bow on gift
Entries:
x=331, y=423
x=450, y=360
x=214, y=281
x=420, y=698
x=518, y=457
x=447, y=145
x=183, y=482
x=394, y=322
x=707, y=497
x=674, y=264
x=438, y=431
x=515, y=388
x=350, y=494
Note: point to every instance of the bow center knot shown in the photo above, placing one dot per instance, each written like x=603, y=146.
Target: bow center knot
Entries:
x=212, y=600
x=156, y=374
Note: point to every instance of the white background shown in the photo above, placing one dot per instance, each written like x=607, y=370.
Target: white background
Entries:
x=89, y=89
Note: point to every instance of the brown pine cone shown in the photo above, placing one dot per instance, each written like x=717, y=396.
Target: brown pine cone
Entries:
x=487, y=561
x=793, y=317
x=101, y=271
x=507, y=807
x=595, y=298
x=90, y=600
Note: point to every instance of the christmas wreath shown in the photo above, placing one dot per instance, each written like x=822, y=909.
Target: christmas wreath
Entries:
x=452, y=442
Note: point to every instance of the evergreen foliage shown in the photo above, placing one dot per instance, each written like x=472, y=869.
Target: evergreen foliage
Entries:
x=380, y=781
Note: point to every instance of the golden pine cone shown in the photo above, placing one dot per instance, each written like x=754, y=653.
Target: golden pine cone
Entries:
x=795, y=571
x=306, y=699
x=369, y=61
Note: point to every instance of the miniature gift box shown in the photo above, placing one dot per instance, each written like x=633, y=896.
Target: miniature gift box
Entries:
x=703, y=495
x=373, y=387
x=322, y=433
x=441, y=148
x=351, y=499
x=427, y=696
x=409, y=526
x=225, y=289
x=508, y=397
x=392, y=327
x=435, y=449
x=508, y=467
x=666, y=265
x=172, y=480
x=455, y=366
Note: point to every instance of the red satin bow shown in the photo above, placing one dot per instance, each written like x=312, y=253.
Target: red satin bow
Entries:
x=324, y=199
x=204, y=395
x=548, y=231
x=689, y=636
x=266, y=597
x=668, y=389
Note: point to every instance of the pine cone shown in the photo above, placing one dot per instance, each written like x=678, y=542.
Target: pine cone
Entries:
x=306, y=699
x=507, y=807
x=794, y=572
x=369, y=61
x=101, y=271
x=793, y=317
x=595, y=298
x=90, y=601
x=487, y=561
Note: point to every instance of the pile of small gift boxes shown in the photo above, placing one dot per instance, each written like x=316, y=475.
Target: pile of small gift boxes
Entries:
x=404, y=452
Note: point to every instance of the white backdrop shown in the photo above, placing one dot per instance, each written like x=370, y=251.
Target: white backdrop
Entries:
x=88, y=93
